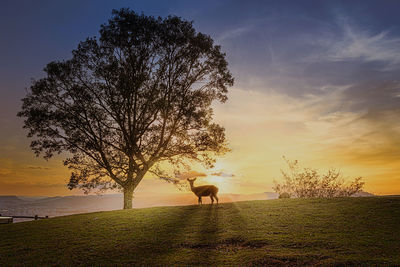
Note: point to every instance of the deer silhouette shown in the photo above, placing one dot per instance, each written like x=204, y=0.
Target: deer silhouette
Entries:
x=203, y=191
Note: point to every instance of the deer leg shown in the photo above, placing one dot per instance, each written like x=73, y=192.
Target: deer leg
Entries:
x=212, y=199
x=199, y=201
x=216, y=198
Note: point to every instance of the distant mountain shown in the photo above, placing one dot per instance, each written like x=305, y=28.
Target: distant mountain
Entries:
x=59, y=206
x=89, y=202
x=272, y=195
x=32, y=198
x=6, y=201
x=363, y=194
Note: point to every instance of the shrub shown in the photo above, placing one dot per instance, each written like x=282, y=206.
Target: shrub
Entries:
x=307, y=183
x=284, y=195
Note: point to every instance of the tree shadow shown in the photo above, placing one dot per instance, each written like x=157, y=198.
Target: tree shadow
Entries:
x=191, y=235
x=153, y=244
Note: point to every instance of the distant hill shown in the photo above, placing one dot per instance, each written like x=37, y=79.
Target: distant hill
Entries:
x=272, y=195
x=363, y=194
x=10, y=201
x=282, y=232
x=67, y=205
x=59, y=206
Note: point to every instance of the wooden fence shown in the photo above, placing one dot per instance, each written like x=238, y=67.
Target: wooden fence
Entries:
x=9, y=219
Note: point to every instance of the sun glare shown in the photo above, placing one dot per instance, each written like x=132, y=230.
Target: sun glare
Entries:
x=222, y=183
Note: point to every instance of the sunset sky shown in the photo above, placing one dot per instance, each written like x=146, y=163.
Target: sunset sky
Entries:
x=317, y=81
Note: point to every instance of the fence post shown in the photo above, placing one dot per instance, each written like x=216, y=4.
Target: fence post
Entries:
x=36, y=217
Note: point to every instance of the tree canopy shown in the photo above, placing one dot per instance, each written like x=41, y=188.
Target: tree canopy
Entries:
x=137, y=96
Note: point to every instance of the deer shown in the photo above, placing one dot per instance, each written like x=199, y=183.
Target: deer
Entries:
x=203, y=191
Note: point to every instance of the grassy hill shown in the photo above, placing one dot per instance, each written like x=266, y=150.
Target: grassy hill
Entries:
x=285, y=232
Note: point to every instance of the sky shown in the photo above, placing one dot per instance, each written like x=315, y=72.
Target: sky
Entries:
x=316, y=81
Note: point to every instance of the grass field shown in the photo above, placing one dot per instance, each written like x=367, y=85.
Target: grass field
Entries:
x=285, y=232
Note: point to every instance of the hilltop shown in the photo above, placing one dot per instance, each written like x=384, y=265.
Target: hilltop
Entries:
x=284, y=232
x=67, y=205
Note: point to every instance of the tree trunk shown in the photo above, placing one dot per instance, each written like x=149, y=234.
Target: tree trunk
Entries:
x=128, y=197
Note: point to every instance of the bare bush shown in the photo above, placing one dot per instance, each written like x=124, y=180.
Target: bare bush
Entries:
x=307, y=183
x=284, y=195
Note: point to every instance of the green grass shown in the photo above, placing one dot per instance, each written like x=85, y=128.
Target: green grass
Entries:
x=285, y=232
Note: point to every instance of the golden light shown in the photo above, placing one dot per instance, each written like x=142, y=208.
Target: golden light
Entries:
x=223, y=183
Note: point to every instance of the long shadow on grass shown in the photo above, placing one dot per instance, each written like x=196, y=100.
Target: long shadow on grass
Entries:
x=152, y=242
x=203, y=251
x=219, y=235
x=169, y=236
x=191, y=235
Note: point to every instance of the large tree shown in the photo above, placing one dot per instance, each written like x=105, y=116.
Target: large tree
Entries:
x=128, y=101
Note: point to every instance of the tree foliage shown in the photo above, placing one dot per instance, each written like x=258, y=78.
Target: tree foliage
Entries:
x=308, y=183
x=137, y=96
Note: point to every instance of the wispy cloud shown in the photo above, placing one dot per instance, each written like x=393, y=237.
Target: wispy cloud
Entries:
x=33, y=167
x=222, y=174
x=238, y=31
x=355, y=43
x=6, y=172
x=368, y=47
x=189, y=174
x=233, y=33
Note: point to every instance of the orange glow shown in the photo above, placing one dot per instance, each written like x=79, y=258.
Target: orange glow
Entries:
x=260, y=128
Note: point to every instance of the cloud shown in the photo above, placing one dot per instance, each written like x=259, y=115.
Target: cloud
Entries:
x=6, y=171
x=189, y=174
x=222, y=174
x=33, y=188
x=370, y=139
x=366, y=46
x=330, y=97
x=33, y=167
x=234, y=33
